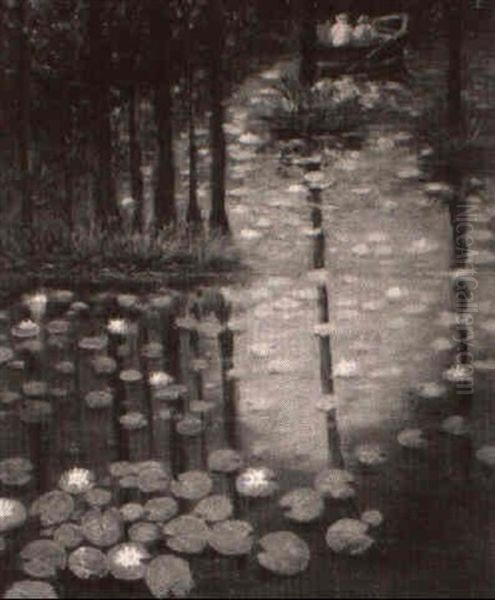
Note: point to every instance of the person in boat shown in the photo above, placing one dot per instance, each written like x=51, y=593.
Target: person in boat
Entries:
x=363, y=34
x=341, y=32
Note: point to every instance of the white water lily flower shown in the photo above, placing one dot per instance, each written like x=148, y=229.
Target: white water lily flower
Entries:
x=12, y=514
x=370, y=455
x=346, y=369
x=159, y=379
x=458, y=373
x=36, y=304
x=77, y=481
x=118, y=326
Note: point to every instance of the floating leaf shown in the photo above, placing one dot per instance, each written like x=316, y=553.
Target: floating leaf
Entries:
x=104, y=365
x=335, y=483
x=144, y=533
x=30, y=589
x=232, y=538
x=53, y=508
x=225, y=460
x=455, y=425
x=284, y=553
x=35, y=389
x=349, y=536
x=192, y=485
x=6, y=355
x=486, y=456
x=370, y=455
x=127, y=562
x=412, y=439
x=58, y=327
x=88, y=563
x=302, y=505
x=169, y=576
x=98, y=497
x=94, y=344
x=102, y=529
x=214, y=509
x=189, y=426
x=372, y=518
x=152, y=351
x=133, y=421
x=160, y=509
x=132, y=512
x=154, y=480
x=43, y=559
x=16, y=471
x=68, y=535
x=130, y=376
x=99, y=399
x=187, y=534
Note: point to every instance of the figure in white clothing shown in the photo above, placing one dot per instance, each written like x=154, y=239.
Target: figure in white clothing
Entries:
x=341, y=32
x=363, y=32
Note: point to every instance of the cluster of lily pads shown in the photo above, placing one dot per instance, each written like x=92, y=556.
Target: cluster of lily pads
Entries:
x=93, y=530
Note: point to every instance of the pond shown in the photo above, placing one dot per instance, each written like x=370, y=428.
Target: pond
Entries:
x=331, y=371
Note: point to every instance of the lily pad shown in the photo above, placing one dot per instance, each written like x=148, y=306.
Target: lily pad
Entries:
x=88, y=563
x=284, y=553
x=370, y=455
x=486, y=456
x=456, y=425
x=99, y=399
x=94, y=344
x=102, y=529
x=302, y=505
x=154, y=480
x=214, y=509
x=232, y=538
x=225, y=460
x=13, y=514
x=144, y=533
x=412, y=439
x=104, y=365
x=335, y=483
x=128, y=562
x=349, y=536
x=30, y=589
x=169, y=576
x=133, y=421
x=53, y=508
x=35, y=389
x=6, y=355
x=372, y=518
x=68, y=535
x=259, y=482
x=189, y=426
x=132, y=512
x=43, y=559
x=192, y=485
x=35, y=412
x=187, y=534
x=16, y=471
x=160, y=509
x=98, y=497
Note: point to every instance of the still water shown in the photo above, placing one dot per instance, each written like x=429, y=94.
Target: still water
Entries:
x=336, y=349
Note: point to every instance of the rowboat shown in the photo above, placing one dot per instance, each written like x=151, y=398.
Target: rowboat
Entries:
x=384, y=54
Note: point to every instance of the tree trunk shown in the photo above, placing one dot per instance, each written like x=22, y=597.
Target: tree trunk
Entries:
x=101, y=131
x=24, y=116
x=307, y=41
x=135, y=155
x=193, y=212
x=453, y=9
x=165, y=211
x=218, y=216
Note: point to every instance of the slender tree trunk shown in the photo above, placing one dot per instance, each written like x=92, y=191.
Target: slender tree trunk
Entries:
x=218, y=216
x=101, y=130
x=165, y=211
x=24, y=116
x=307, y=41
x=193, y=212
x=453, y=10
x=135, y=154
x=68, y=161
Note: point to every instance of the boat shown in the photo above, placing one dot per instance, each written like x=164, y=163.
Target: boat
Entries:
x=385, y=54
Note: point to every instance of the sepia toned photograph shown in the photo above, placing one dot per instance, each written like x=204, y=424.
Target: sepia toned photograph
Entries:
x=247, y=299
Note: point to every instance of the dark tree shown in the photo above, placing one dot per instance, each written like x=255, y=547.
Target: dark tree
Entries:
x=307, y=41
x=218, y=216
x=454, y=14
x=100, y=112
x=160, y=15
x=24, y=111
